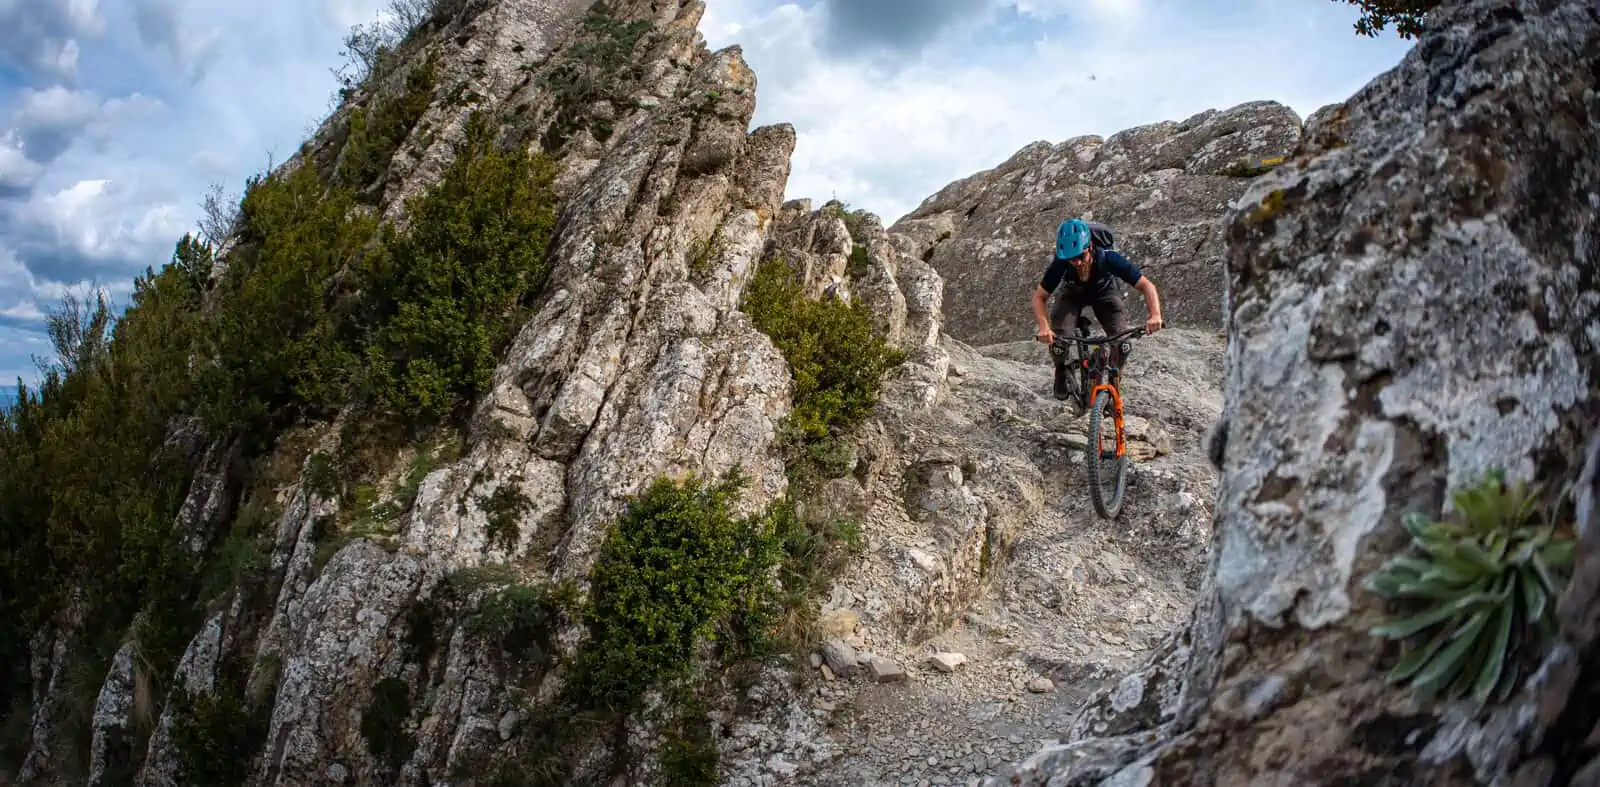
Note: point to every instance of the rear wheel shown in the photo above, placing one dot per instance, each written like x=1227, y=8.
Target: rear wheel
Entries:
x=1107, y=471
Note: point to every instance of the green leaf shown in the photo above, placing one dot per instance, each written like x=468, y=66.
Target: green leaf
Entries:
x=1405, y=628
x=1508, y=678
x=1560, y=552
x=1480, y=559
x=1417, y=657
x=1432, y=588
x=1495, y=657
x=1407, y=565
x=1447, y=574
x=1496, y=547
x=1387, y=585
x=1533, y=594
x=1444, y=667
x=1419, y=526
x=1545, y=577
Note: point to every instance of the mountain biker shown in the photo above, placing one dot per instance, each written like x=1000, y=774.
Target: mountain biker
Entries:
x=1081, y=275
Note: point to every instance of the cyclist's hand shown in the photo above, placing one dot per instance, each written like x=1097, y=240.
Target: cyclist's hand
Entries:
x=1152, y=325
x=1047, y=336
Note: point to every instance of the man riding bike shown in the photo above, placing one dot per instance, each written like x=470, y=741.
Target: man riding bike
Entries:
x=1081, y=275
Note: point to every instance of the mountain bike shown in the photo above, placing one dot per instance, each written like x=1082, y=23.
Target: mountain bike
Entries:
x=1097, y=392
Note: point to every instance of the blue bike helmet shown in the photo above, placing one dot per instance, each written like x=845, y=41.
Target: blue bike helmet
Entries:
x=1072, y=237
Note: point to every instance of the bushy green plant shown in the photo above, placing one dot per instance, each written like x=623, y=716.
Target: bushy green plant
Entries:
x=590, y=71
x=811, y=553
x=383, y=724
x=674, y=568
x=447, y=293
x=836, y=356
x=377, y=131
x=522, y=620
x=1492, y=576
x=855, y=221
x=216, y=733
x=503, y=510
x=277, y=342
x=689, y=755
x=314, y=310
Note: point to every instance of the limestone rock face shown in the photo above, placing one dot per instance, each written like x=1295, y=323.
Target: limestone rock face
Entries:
x=1162, y=188
x=1412, y=303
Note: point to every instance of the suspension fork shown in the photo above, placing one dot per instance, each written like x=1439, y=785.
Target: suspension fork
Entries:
x=1116, y=417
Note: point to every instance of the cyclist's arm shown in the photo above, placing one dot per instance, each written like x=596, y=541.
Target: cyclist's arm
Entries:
x=1152, y=299
x=1041, y=293
x=1042, y=320
x=1130, y=273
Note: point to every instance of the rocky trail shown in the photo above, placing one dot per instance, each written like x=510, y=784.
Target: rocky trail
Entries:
x=1076, y=605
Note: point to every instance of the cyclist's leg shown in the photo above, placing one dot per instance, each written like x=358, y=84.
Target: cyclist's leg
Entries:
x=1062, y=314
x=1112, y=313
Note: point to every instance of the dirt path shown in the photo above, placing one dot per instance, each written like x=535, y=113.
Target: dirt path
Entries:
x=1081, y=598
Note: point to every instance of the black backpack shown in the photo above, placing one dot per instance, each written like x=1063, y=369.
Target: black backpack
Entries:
x=1102, y=235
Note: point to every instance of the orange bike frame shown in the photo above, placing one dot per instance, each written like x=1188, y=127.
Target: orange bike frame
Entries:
x=1116, y=415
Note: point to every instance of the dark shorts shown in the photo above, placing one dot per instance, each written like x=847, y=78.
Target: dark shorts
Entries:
x=1109, y=309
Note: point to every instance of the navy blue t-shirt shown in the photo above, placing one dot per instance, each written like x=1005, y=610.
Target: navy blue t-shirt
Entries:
x=1107, y=263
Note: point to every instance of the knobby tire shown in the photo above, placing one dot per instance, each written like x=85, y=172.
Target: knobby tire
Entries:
x=1107, y=506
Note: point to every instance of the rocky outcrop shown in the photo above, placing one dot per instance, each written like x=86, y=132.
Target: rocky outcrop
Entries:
x=1162, y=187
x=637, y=365
x=1412, y=303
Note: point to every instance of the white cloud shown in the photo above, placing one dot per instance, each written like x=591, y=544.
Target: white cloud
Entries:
x=886, y=136
x=17, y=172
x=102, y=219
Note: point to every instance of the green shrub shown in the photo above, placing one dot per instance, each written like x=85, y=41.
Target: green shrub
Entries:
x=383, y=724
x=672, y=571
x=89, y=483
x=1492, y=576
x=591, y=71
x=836, y=356
x=377, y=131
x=522, y=620
x=448, y=292
x=855, y=221
x=277, y=343
x=812, y=553
x=316, y=309
x=689, y=755
x=217, y=733
x=503, y=509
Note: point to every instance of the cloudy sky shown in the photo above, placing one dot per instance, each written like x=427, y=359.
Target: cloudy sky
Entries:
x=115, y=115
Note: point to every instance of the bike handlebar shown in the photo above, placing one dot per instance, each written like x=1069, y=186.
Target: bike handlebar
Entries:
x=1131, y=333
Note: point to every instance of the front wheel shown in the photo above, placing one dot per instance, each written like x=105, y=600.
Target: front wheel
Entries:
x=1101, y=459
